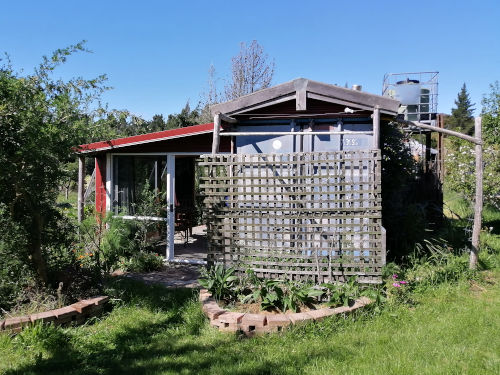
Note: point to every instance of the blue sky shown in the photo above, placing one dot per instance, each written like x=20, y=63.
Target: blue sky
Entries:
x=157, y=53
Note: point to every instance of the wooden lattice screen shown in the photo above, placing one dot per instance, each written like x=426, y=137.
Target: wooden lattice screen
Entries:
x=302, y=216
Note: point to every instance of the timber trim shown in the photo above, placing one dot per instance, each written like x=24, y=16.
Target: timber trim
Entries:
x=301, y=88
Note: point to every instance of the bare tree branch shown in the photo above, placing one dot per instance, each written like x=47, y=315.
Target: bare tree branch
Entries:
x=251, y=70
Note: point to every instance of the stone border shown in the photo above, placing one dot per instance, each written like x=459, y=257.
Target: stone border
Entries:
x=254, y=324
x=77, y=312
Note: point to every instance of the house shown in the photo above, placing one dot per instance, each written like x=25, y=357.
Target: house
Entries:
x=290, y=179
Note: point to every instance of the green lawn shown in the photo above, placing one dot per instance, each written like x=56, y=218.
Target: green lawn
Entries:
x=452, y=330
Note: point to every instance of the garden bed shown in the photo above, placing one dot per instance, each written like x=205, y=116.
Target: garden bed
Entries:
x=78, y=312
x=251, y=324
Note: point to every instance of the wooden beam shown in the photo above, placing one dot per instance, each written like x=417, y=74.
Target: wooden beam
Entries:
x=81, y=182
x=441, y=130
x=353, y=96
x=279, y=100
x=376, y=127
x=258, y=97
x=228, y=119
x=329, y=99
x=289, y=90
x=216, y=136
x=478, y=202
x=300, y=94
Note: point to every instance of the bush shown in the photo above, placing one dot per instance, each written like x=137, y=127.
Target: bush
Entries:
x=142, y=262
x=108, y=239
x=219, y=281
x=15, y=271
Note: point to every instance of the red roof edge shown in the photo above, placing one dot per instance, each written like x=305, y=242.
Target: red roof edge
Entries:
x=145, y=138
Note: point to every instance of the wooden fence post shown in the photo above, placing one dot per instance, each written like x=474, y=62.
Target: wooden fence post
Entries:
x=478, y=202
x=81, y=181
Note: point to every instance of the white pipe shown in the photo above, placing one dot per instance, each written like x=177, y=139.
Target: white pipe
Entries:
x=294, y=133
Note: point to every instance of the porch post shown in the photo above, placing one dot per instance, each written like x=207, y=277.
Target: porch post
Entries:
x=81, y=179
x=376, y=127
x=216, y=135
x=478, y=200
x=170, y=207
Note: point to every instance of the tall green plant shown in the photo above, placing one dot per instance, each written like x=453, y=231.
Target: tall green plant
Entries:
x=15, y=270
x=41, y=119
x=219, y=281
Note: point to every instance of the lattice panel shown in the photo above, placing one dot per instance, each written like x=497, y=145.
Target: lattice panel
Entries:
x=301, y=216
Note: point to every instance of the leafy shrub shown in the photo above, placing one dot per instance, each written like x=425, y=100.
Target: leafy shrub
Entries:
x=280, y=295
x=142, y=262
x=297, y=295
x=15, y=270
x=378, y=295
x=342, y=293
x=268, y=293
x=219, y=281
x=107, y=239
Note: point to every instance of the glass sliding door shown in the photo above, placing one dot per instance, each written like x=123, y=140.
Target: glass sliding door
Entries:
x=135, y=180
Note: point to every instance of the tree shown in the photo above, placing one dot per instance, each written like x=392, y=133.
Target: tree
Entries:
x=210, y=97
x=460, y=164
x=41, y=119
x=187, y=117
x=157, y=124
x=251, y=71
x=462, y=117
x=491, y=115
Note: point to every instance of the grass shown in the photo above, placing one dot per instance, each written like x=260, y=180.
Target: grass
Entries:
x=153, y=330
x=451, y=329
x=458, y=210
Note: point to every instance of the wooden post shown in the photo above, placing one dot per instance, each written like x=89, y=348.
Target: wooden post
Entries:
x=81, y=181
x=440, y=159
x=478, y=203
x=216, y=137
x=170, y=207
x=428, y=144
x=376, y=127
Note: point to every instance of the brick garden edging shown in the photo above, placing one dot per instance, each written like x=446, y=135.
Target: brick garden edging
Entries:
x=252, y=324
x=77, y=312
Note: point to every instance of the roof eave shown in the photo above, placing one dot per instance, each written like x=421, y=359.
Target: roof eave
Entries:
x=98, y=147
x=300, y=88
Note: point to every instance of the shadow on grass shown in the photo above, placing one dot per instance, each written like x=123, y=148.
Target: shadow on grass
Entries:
x=173, y=342
x=492, y=225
